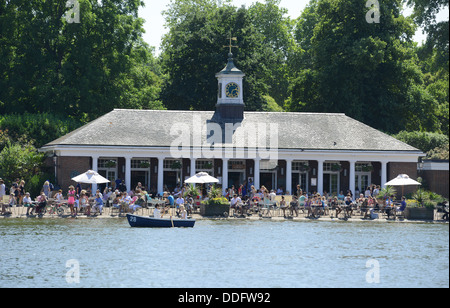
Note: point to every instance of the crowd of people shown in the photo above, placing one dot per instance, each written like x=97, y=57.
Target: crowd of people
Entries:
x=241, y=199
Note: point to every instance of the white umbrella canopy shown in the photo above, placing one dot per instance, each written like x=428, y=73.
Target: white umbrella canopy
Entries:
x=201, y=178
x=90, y=177
x=402, y=180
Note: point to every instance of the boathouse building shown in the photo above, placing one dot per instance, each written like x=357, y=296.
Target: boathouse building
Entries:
x=161, y=148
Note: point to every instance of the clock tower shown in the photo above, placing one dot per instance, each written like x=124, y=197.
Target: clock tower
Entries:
x=230, y=101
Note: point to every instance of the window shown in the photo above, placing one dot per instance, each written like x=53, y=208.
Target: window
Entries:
x=203, y=164
x=107, y=163
x=140, y=163
x=302, y=166
x=172, y=164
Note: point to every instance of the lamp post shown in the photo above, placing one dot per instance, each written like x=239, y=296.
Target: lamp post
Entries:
x=55, y=159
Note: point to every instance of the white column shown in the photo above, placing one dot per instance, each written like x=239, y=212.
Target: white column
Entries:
x=383, y=173
x=351, y=178
x=160, y=175
x=95, y=168
x=128, y=173
x=224, y=174
x=256, y=174
x=289, y=176
x=320, y=176
x=193, y=166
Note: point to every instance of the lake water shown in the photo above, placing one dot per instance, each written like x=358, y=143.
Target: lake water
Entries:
x=221, y=253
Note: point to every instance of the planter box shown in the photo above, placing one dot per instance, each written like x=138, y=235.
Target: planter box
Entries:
x=421, y=213
x=215, y=210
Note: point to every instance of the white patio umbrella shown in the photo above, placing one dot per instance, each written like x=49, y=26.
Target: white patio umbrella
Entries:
x=201, y=178
x=402, y=180
x=90, y=177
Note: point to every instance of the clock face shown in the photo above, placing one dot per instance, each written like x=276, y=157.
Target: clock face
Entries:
x=232, y=90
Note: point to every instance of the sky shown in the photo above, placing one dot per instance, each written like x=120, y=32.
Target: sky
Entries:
x=154, y=21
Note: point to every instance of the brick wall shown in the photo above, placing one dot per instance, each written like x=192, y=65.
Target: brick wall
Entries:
x=436, y=181
x=70, y=166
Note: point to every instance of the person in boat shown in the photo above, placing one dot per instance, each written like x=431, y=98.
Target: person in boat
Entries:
x=183, y=212
x=157, y=212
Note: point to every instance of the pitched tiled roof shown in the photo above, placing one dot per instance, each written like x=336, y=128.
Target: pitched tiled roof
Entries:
x=309, y=131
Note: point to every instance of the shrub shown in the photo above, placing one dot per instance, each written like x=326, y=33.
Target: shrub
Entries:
x=424, y=141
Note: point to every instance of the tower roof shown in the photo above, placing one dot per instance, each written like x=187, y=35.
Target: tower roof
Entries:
x=230, y=69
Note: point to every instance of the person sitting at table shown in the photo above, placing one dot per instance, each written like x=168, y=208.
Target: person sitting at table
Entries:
x=402, y=206
x=324, y=205
x=180, y=202
x=283, y=206
x=348, y=205
x=42, y=203
x=308, y=207
x=341, y=196
x=27, y=202
x=293, y=206
x=334, y=204
x=370, y=205
x=59, y=196
x=189, y=204
x=99, y=203
x=236, y=204
x=363, y=202
x=84, y=203
x=389, y=206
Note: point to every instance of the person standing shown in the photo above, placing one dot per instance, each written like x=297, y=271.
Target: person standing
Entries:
x=2, y=194
x=71, y=200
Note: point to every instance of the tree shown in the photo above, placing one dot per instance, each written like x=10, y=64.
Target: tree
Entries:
x=367, y=70
x=425, y=12
x=193, y=53
x=80, y=69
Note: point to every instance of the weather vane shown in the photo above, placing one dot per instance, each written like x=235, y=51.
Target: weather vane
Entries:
x=231, y=38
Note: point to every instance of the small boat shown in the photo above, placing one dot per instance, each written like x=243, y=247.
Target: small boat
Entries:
x=152, y=222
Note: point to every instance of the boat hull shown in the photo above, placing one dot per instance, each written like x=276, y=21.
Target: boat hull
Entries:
x=152, y=222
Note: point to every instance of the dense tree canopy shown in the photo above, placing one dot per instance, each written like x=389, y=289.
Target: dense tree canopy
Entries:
x=328, y=60
x=80, y=69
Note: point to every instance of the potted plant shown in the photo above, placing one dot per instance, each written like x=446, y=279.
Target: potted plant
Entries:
x=424, y=206
x=304, y=167
x=192, y=190
x=336, y=167
x=176, y=165
x=216, y=204
x=110, y=164
x=367, y=168
x=144, y=164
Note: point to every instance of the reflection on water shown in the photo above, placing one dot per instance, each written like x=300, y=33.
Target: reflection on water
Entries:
x=223, y=253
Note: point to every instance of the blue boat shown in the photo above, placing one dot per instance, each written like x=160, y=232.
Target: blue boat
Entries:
x=152, y=222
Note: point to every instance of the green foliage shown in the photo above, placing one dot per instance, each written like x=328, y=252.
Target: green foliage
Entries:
x=423, y=141
x=192, y=55
x=74, y=69
x=38, y=129
x=215, y=192
x=441, y=152
x=425, y=198
x=366, y=70
x=192, y=190
x=386, y=192
x=18, y=161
